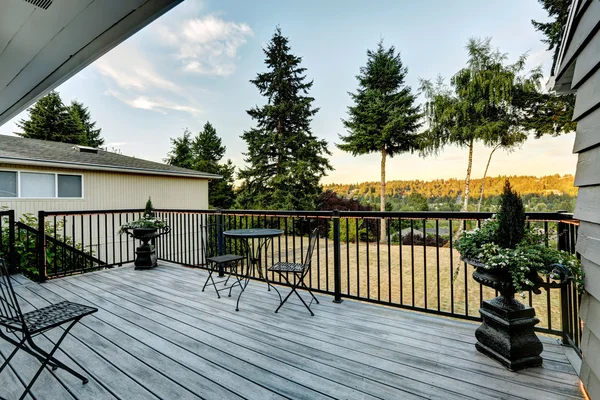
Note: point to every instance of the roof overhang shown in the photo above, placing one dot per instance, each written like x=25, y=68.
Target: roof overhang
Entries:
x=41, y=48
x=103, y=168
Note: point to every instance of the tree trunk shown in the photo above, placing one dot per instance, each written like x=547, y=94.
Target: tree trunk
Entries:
x=383, y=235
x=484, y=176
x=465, y=206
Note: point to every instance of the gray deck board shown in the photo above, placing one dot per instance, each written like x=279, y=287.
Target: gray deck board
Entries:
x=156, y=335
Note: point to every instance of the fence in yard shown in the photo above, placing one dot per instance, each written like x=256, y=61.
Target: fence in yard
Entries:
x=412, y=265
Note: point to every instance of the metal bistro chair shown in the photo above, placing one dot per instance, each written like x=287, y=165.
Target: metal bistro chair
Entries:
x=223, y=264
x=299, y=272
x=25, y=326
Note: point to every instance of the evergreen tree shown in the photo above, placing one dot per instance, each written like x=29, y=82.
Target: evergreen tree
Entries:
x=182, y=153
x=203, y=153
x=208, y=151
x=285, y=161
x=89, y=132
x=384, y=117
x=558, y=10
x=50, y=119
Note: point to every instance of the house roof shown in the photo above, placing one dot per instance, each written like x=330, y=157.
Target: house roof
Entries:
x=17, y=150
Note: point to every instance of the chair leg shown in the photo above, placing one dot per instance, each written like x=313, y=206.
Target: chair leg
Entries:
x=20, y=345
x=50, y=357
x=210, y=278
x=293, y=287
x=54, y=363
x=309, y=291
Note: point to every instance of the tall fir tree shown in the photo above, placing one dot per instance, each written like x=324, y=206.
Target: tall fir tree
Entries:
x=209, y=151
x=91, y=135
x=384, y=118
x=204, y=153
x=182, y=153
x=285, y=161
x=50, y=119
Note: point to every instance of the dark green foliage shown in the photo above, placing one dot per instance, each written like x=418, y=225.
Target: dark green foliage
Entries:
x=51, y=119
x=182, y=154
x=91, y=135
x=558, y=10
x=149, y=209
x=384, y=115
x=285, y=161
x=511, y=219
x=203, y=153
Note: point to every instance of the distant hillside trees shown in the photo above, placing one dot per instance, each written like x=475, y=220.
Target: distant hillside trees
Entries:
x=384, y=117
x=204, y=153
x=50, y=119
x=284, y=160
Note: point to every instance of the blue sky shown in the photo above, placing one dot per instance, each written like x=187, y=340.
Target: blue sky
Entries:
x=194, y=63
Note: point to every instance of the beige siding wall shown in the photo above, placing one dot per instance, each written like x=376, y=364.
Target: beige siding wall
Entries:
x=586, y=43
x=109, y=190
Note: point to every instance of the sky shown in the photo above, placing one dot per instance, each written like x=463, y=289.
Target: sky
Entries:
x=194, y=64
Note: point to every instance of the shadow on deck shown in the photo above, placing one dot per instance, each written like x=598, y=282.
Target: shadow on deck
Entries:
x=158, y=336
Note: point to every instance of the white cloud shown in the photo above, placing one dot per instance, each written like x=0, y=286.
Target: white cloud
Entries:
x=152, y=103
x=206, y=45
x=129, y=69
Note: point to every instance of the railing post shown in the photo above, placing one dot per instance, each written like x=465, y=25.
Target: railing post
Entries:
x=565, y=312
x=11, y=242
x=337, y=261
x=562, y=232
x=41, y=246
x=220, y=240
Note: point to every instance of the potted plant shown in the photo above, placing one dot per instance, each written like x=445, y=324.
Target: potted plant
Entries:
x=145, y=230
x=511, y=257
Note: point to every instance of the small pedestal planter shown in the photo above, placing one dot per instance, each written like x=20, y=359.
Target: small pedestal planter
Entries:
x=146, y=253
x=507, y=332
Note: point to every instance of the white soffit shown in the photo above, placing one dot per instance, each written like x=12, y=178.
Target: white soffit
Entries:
x=41, y=48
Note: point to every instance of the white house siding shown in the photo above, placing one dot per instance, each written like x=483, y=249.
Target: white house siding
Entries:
x=583, y=51
x=112, y=191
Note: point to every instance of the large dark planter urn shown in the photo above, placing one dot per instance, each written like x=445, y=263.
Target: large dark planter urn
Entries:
x=145, y=254
x=507, y=332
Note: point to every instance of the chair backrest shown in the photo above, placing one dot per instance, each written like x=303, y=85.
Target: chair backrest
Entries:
x=9, y=306
x=311, y=247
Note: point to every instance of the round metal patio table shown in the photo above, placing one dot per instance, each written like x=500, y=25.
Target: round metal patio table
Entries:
x=263, y=237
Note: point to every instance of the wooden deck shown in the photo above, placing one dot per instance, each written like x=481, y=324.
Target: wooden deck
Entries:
x=158, y=336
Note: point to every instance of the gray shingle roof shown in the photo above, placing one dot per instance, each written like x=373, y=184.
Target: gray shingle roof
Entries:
x=14, y=149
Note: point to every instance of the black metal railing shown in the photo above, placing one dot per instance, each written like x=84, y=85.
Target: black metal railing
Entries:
x=84, y=241
x=412, y=264
x=415, y=267
x=7, y=238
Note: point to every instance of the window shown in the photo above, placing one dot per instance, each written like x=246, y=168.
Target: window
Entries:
x=40, y=185
x=8, y=184
x=37, y=185
x=69, y=186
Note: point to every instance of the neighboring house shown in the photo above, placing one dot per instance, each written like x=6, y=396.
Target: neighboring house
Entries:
x=42, y=175
x=578, y=70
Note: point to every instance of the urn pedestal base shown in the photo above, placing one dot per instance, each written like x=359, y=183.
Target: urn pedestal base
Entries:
x=507, y=333
x=145, y=257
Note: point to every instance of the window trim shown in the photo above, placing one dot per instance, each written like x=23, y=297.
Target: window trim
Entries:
x=56, y=197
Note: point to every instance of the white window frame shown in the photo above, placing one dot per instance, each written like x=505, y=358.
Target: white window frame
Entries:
x=19, y=197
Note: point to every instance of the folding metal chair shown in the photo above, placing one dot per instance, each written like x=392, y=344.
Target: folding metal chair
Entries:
x=225, y=264
x=299, y=271
x=25, y=326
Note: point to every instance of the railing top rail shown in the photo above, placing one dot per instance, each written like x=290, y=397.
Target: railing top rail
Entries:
x=86, y=212
x=557, y=216
x=6, y=212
